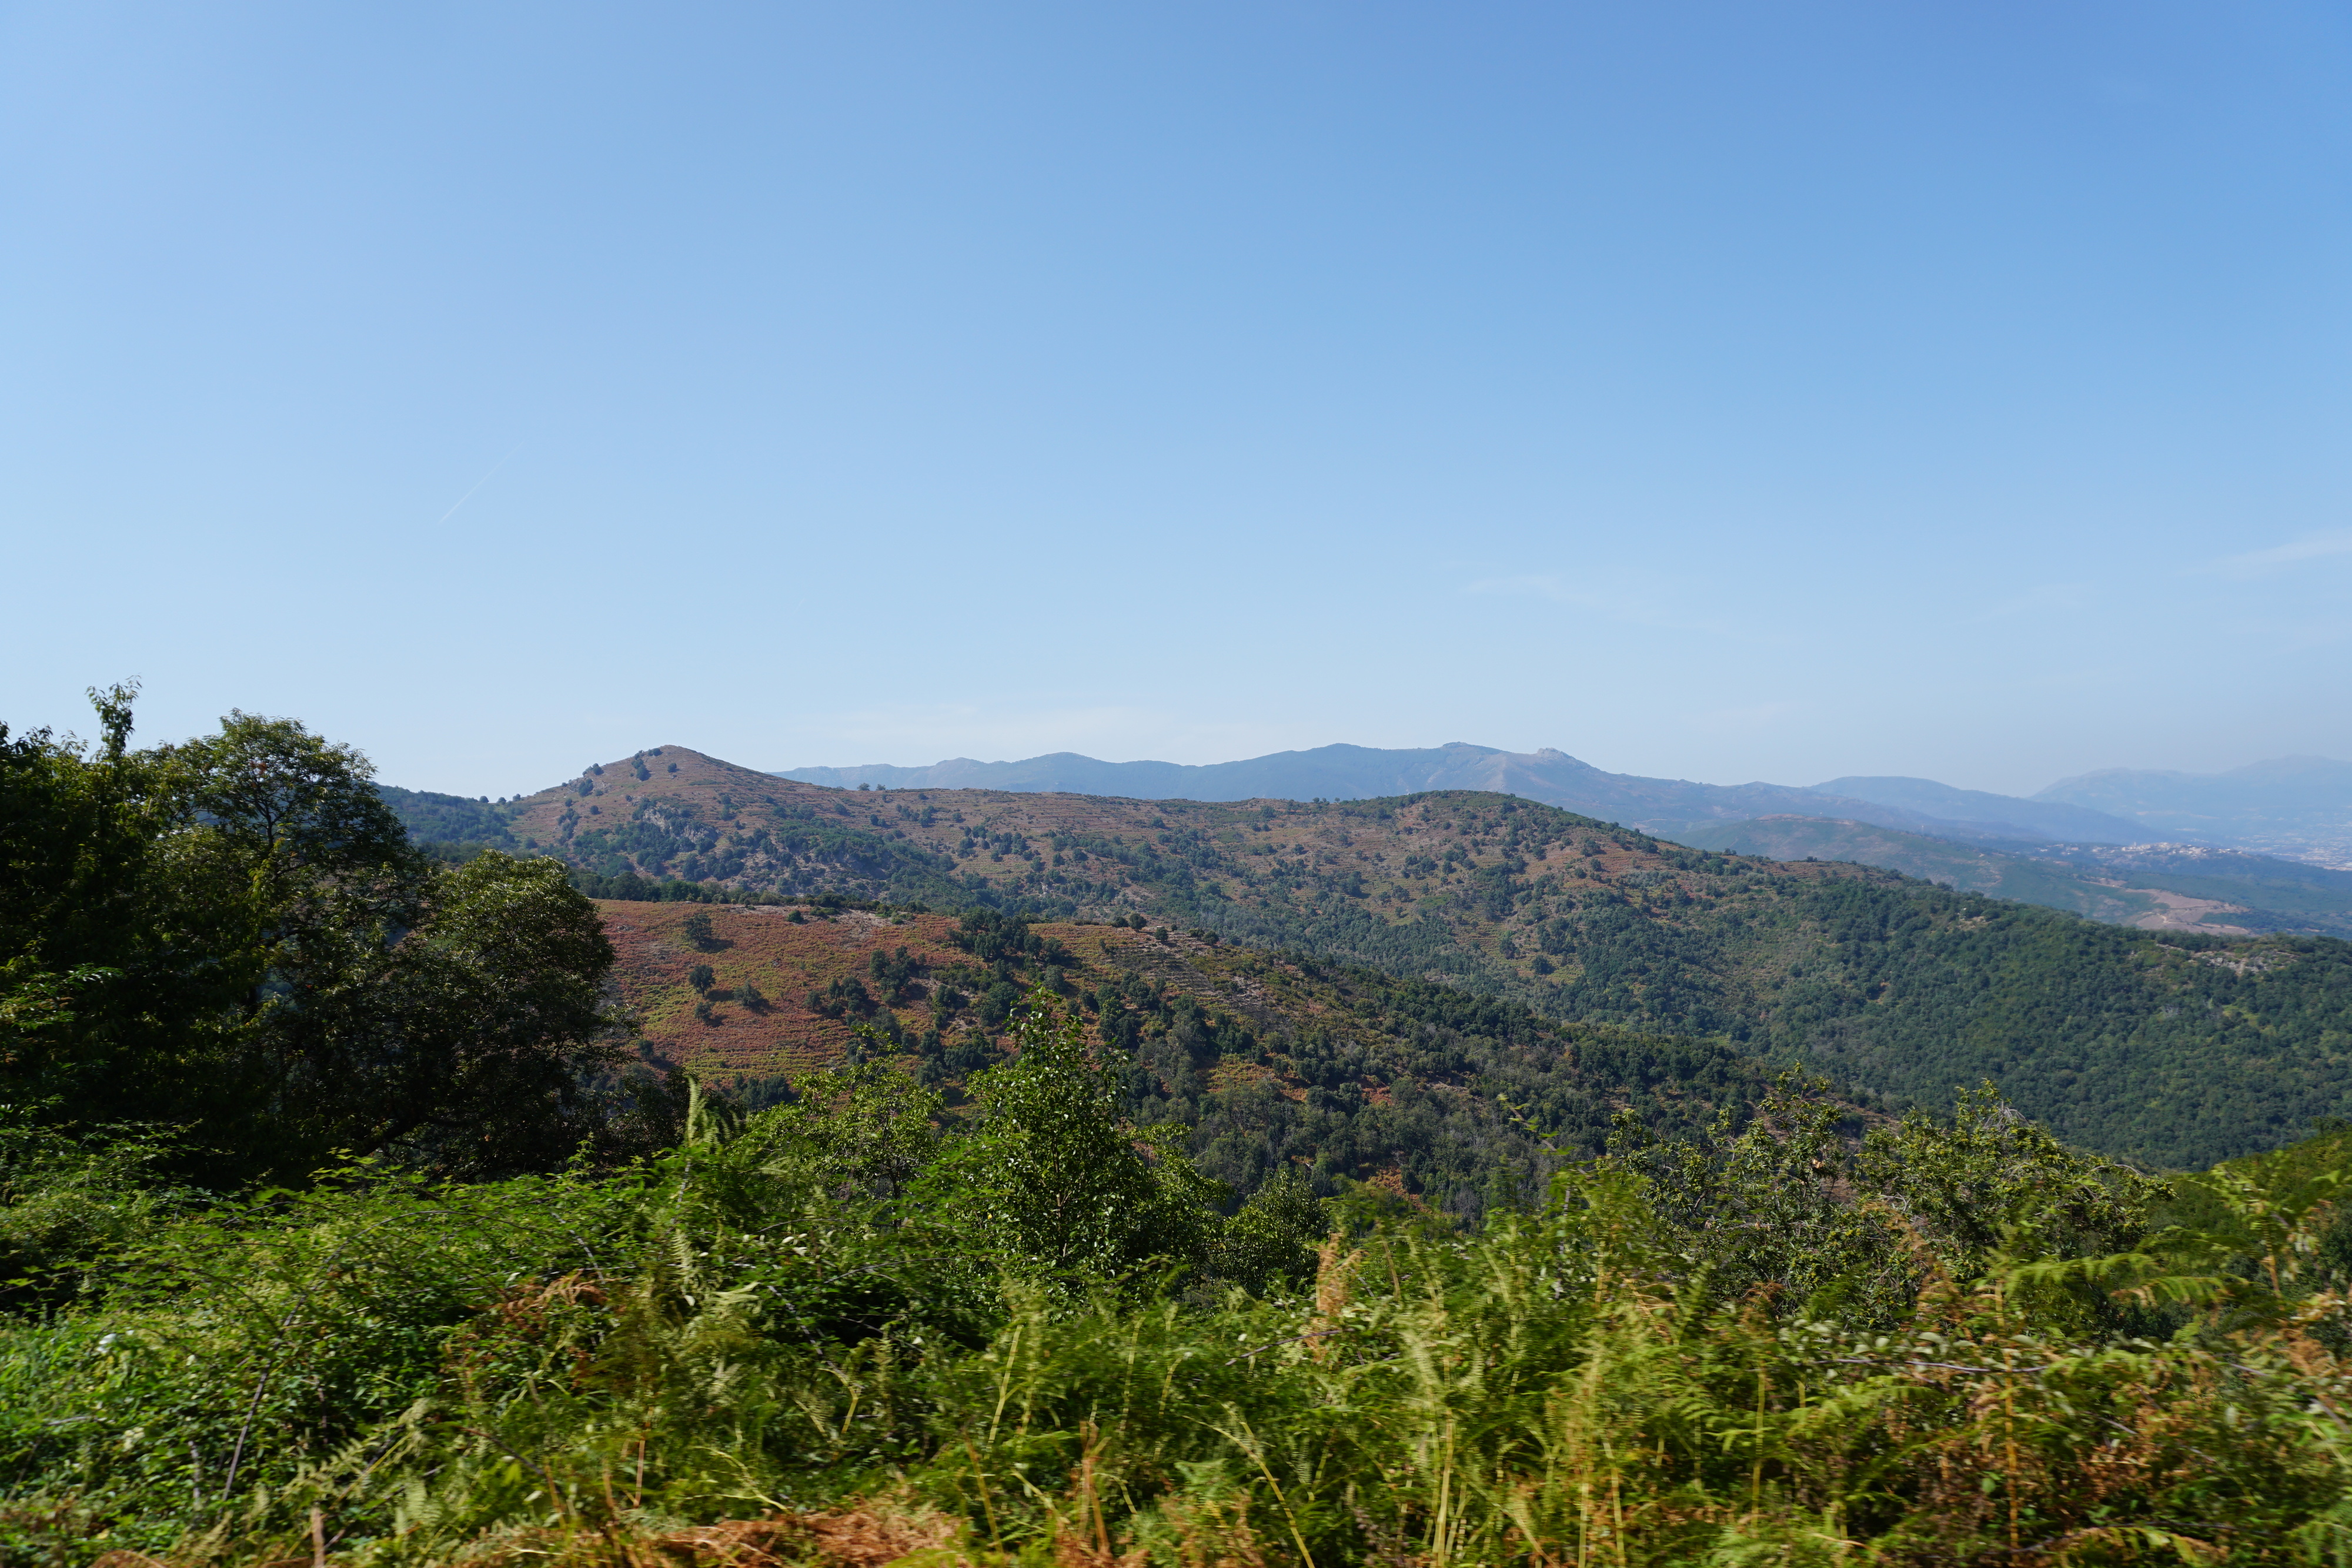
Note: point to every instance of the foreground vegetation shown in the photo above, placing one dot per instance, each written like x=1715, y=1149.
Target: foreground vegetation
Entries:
x=234, y=934
x=834, y=1330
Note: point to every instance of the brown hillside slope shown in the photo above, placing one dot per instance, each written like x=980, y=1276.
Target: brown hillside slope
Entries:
x=766, y=960
x=754, y=1019
x=1273, y=1062
x=754, y=1014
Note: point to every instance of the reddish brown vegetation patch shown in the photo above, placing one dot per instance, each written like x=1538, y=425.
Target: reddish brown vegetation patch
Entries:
x=757, y=946
x=854, y=1538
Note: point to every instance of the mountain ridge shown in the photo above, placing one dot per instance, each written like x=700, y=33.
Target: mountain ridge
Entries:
x=2058, y=820
x=2300, y=807
x=2154, y=887
x=1343, y=771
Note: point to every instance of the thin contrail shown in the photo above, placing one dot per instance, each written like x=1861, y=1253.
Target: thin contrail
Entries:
x=478, y=484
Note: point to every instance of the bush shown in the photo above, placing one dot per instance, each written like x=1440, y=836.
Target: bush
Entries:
x=69, y=1199
x=844, y=998
x=996, y=1003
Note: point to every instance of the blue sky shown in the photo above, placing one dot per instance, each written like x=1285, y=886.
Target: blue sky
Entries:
x=1726, y=392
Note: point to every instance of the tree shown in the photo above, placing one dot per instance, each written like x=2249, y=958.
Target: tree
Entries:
x=192, y=887
x=234, y=935
x=859, y=1125
x=84, y=969
x=1054, y=1178
x=465, y=1045
x=1273, y=1237
x=996, y=1003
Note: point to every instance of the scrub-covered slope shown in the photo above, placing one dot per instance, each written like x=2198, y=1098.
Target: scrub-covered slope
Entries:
x=1273, y=1060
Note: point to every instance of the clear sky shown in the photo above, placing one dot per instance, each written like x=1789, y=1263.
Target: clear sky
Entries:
x=1725, y=391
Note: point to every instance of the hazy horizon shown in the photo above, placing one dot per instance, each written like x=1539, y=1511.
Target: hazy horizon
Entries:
x=1162, y=761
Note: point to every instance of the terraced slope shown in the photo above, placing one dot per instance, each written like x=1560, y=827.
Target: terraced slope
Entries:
x=1273, y=1060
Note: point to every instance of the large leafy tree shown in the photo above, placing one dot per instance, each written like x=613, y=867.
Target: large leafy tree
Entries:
x=90, y=968
x=232, y=935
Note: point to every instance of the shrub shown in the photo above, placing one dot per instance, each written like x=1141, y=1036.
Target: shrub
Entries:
x=995, y=1004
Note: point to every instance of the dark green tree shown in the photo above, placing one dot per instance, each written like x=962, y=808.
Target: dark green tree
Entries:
x=466, y=1044
x=1054, y=1178
x=87, y=972
x=232, y=935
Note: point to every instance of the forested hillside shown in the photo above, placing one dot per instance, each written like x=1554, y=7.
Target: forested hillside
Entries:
x=1272, y=1062
x=2174, y=1048
x=451, y=824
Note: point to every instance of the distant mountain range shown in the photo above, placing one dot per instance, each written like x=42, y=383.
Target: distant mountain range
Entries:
x=2295, y=806
x=2263, y=848
x=2181, y=887
x=2005, y=816
x=2300, y=808
x=1662, y=806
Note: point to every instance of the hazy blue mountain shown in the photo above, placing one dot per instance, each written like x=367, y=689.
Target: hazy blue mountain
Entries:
x=2289, y=805
x=2286, y=891
x=2042, y=818
x=2156, y=887
x=1971, y=868
x=1662, y=806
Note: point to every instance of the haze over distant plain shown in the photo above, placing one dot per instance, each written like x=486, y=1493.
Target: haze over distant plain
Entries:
x=1705, y=391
